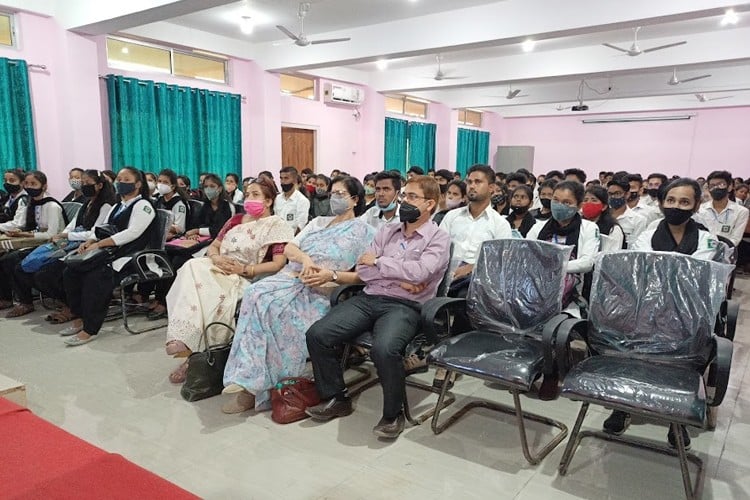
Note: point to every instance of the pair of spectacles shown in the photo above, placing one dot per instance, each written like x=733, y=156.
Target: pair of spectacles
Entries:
x=616, y=195
x=341, y=194
x=411, y=197
x=721, y=185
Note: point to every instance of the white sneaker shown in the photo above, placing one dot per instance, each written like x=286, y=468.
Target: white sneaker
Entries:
x=71, y=330
x=76, y=341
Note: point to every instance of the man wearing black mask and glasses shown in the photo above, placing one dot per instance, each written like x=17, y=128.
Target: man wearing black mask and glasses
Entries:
x=722, y=216
x=632, y=224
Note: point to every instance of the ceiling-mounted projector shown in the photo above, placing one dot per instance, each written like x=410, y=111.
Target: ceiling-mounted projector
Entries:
x=580, y=107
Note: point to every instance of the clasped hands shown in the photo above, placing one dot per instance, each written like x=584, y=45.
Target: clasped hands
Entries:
x=227, y=265
x=368, y=259
x=314, y=275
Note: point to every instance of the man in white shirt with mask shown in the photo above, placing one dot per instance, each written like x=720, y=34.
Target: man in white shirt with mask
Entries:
x=721, y=216
x=385, y=210
x=291, y=205
x=632, y=224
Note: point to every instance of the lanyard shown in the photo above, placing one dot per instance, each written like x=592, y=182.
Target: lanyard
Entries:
x=726, y=216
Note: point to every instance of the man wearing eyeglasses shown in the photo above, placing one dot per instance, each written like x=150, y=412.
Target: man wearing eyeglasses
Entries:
x=401, y=271
x=721, y=216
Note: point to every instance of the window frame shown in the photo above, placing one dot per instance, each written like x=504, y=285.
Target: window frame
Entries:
x=11, y=28
x=172, y=51
x=411, y=100
x=313, y=80
x=464, y=121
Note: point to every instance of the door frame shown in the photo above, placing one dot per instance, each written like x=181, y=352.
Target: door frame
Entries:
x=315, y=129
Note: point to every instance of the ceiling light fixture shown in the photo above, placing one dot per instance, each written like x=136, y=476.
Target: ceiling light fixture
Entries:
x=528, y=45
x=382, y=64
x=246, y=25
x=730, y=17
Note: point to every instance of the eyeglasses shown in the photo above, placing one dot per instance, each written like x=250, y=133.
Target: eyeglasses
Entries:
x=718, y=185
x=341, y=194
x=618, y=194
x=411, y=197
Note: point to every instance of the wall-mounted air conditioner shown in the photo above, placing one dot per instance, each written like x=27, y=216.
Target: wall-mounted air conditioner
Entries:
x=341, y=94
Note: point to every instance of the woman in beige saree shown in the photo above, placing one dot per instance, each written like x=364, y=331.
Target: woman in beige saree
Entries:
x=207, y=289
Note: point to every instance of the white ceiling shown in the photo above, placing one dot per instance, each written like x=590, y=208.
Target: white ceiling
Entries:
x=478, y=40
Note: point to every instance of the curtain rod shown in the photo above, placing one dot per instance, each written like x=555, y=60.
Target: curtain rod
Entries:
x=38, y=66
x=242, y=97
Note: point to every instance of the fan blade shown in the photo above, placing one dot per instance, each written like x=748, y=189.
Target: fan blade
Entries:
x=453, y=77
x=694, y=78
x=660, y=47
x=717, y=98
x=513, y=93
x=615, y=47
x=287, y=32
x=330, y=40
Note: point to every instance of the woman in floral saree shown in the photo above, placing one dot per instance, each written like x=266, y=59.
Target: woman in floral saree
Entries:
x=269, y=343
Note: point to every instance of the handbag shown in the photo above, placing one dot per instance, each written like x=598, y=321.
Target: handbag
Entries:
x=87, y=261
x=205, y=372
x=291, y=397
x=46, y=254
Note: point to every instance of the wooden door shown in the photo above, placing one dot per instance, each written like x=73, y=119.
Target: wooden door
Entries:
x=298, y=148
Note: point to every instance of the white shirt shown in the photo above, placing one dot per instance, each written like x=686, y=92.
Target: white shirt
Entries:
x=632, y=224
x=707, y=243
x=649, y=211
x=730, y=223
x=468, y=233
x=238, y=197
x=140, y=218
x=612, y=242
x=19, y=218
x=374, y=217
x=293, y=210
x=48, y=219
x=588, y=245
x=74, y=235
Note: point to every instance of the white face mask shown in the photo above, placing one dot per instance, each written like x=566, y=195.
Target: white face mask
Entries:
x=163, y=188
x=151, y=186
x=451, y=204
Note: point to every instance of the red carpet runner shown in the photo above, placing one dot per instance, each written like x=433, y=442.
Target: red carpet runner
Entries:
x=39, y=460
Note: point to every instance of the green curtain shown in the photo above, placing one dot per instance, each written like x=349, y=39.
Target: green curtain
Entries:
x=422, y=145
x=396, y=139
x=473, y=148
x=17, y=145
x=155, y=126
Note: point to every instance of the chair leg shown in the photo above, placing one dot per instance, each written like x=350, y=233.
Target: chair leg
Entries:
x=515, y=410
x=124, y=311
x=448, y=400
x=686, y=482
x=573, y=441
x=364, y=372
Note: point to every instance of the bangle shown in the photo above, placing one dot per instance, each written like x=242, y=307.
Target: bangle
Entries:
x=252, y=271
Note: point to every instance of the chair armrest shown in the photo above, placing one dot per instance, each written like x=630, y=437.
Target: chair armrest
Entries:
x=563, y=339
x=718, y=370
x=733, y=311
x=140, y=262
x=343, y=292
x=549, y=334
x=430, y=311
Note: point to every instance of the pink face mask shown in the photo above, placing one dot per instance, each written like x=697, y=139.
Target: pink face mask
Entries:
x=254, y=208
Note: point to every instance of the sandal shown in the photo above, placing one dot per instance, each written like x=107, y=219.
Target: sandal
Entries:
x=20, y=310
x=414, y=363
x=6, y=304
x=60, y=317
x=180, y=374
x=177, y=348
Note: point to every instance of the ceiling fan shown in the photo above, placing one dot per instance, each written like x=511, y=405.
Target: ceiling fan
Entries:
x=512, y=94
x=441, y=75
x=705, y=98
x=635, y=50
x=676, y=81
x=301, y=39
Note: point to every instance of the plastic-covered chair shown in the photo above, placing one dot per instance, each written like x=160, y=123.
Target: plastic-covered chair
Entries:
x=195, y=212
x=514, y=303
x=651, y=338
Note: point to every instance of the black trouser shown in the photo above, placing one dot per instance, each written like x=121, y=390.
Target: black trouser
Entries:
x=393, y=323
x=89, y=294
x=8, y=263
x=23, y=285
x=49, y=281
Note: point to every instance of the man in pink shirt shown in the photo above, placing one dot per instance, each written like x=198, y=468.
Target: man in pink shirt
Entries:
x=401, y=270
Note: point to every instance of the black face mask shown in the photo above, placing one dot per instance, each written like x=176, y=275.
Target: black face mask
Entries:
x=443, y=188
x=653, y=192
x=546, y=202
x=124, y=188
x=677, y=216
x=34, y=192
x=519, y=210
x=498, y=199
x=716, y=194
x=287, y=187
x=12, y=188
x=88, y=190
x=408, y=213
x=632, y=196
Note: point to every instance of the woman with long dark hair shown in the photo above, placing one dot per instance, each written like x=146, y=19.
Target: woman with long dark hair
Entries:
x=595, y=207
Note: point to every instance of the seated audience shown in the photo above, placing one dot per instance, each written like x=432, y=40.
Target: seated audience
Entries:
x=269, y=343
x=653, y=183
x=232, y=187
x=575, y=174
x=546, y=189
x=151, y=181
x=414, y=172
x=207, y=289
x=174, y=199
x=385, y=211
x=75, y=182
x=676, y=232
x=631, y=223
x=512, y=181
x=635, y=200
x=88, y=292
x=291, y=205
x=369, y=190
x=595, y=208
x=500, y=199
x=554, y=175
x=443, y=177
x=402, y=269
x=520, y=217
x=455, y=197
x=721, y=216
x=320, y=204
x=14, y=206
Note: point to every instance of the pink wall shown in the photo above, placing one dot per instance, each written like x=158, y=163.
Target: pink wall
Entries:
x=713, y=139
x=66, y=115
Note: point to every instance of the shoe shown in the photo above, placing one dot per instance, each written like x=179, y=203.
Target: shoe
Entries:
x=242, y=402
x=6, y=304
x=330, y=409
x=439, y=380
x=76, y=341
x=390, y=429
x=20, y=310
x=154, y=315
x=685, y=438
x=617, y=423
x=71, y=330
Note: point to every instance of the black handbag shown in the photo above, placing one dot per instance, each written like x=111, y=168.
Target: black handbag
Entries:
x=90, y=260
x=205, y=372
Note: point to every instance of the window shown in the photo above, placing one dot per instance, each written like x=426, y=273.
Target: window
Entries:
x=138, y=56
x=6, y=29
x=470, y=117
x=298, y=86
x=404, y=105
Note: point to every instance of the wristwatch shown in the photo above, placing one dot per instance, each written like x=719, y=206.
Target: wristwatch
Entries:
x=335, y=276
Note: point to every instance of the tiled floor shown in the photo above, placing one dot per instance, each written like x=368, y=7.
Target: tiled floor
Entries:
x=114, y=393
